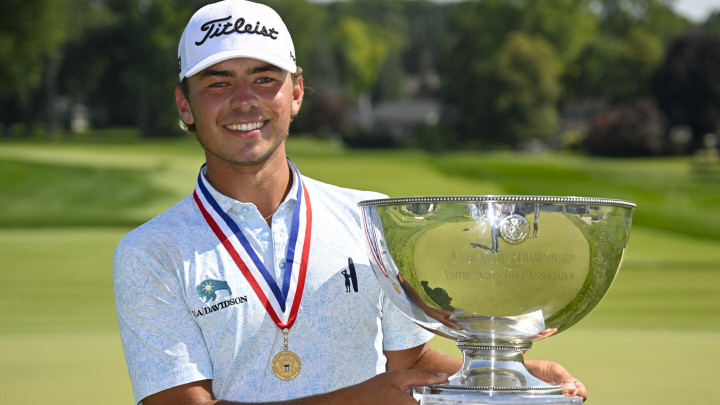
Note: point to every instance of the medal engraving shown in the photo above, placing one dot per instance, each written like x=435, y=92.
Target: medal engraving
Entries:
x=286, y=365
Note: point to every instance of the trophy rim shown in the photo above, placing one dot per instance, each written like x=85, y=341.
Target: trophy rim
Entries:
x=499, y=198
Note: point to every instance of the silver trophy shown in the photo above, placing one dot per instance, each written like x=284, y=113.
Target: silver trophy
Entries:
x=496, y=273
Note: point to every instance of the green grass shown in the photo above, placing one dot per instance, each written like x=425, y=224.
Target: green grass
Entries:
x=57, y=280
x=64, y=368
x=670, y=193
x=71, y=195
x=649, y=341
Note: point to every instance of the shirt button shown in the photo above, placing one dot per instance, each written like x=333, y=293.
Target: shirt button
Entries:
x=245, y=210
x=282, y=265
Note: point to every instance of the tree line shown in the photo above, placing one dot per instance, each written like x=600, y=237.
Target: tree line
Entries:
x=616, y=77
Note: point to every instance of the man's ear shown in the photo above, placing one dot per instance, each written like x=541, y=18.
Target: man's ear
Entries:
x=298, y=93
x=183, y=106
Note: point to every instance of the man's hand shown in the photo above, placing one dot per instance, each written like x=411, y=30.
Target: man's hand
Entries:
x=554, y=373
x=395, y=387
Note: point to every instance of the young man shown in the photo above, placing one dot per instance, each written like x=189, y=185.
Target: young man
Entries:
x=238, y=292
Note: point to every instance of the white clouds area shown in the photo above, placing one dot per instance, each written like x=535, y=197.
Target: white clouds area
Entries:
x=697, y=10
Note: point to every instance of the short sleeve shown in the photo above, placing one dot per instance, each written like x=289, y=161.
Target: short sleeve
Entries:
x=399, y=332
x=163, y=345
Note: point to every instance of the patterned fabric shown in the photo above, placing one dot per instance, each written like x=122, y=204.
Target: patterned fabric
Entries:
x=186, y=313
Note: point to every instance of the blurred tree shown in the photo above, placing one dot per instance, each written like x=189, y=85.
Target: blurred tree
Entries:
x=661, y=20
x=31, y=36
x=567, y=24
x=364, y=50
x=425, y=36
x=639, y=53
x=687, y=84
x=381, y=15
x=528, y=72
x=594, y=69
x=617, y=68
x=469, y=88
x=631, y=129
x=134, y=63
x=713, y=22
x=619, y=17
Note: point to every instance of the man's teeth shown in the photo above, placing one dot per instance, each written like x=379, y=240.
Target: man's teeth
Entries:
x=245, y=127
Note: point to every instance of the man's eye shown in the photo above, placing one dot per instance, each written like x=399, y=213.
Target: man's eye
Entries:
x=264, y=80
x=218, y=84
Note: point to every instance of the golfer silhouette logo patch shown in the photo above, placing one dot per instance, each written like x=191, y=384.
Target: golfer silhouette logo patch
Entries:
x=350, y=277
x=208, y=289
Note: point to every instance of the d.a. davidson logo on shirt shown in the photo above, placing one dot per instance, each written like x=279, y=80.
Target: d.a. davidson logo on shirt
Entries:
x=208, y=290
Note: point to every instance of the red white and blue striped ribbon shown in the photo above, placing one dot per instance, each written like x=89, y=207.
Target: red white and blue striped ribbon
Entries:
x=281, y=303
x=370, y=234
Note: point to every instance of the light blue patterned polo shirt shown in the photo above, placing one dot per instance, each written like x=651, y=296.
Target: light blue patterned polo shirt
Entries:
x=186, y=313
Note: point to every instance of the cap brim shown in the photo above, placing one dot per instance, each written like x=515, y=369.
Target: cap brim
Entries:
x=284, y=64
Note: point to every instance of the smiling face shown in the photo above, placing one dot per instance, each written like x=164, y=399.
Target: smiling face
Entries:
x=241, y=109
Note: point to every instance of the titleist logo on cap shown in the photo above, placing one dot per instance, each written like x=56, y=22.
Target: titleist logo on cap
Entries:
x=216, y=28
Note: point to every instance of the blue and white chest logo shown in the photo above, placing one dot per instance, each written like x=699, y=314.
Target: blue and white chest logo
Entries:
x=208, y=289
x=208, y=292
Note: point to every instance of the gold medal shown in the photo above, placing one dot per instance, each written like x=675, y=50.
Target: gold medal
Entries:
x=286, y=364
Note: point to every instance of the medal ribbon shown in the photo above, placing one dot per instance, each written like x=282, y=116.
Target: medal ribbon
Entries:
x=281, y=304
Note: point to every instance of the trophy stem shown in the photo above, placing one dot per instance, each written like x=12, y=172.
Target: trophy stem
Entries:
x=498, y=365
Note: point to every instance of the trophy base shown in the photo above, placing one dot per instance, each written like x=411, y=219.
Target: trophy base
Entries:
x=436, y=395
x=493, y=373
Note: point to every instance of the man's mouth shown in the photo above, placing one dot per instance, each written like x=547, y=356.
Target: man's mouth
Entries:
x=249, y=126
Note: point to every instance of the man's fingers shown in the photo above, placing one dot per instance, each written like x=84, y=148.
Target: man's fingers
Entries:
x=556, y=374
x=571, y=386
x=575, y=388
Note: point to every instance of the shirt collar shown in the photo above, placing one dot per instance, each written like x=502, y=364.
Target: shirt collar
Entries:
x=226, y=203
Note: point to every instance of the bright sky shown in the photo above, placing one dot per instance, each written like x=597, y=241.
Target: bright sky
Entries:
x=696, y=10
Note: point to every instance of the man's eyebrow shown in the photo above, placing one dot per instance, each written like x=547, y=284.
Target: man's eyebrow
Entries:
x=229, y=73
x=216, y=72
x=264, y=68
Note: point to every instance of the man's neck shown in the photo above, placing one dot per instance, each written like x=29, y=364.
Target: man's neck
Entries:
x=265, y=184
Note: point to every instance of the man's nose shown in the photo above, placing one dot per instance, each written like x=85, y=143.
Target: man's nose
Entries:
x=244, y=97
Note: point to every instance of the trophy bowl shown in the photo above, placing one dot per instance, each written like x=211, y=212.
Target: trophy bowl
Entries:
x=496, y=273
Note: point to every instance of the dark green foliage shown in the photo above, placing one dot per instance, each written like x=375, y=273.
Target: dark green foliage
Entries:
x=687, y=84
x=633, y=129
x=503, y=70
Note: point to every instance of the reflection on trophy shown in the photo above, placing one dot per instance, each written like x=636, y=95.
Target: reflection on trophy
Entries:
x=488, y=272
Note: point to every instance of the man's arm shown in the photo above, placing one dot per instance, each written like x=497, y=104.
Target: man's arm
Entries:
x=422, y=357
x=392, y=387
x=406, y=369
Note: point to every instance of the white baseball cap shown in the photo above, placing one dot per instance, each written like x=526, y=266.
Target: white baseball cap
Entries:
x=234, y=29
